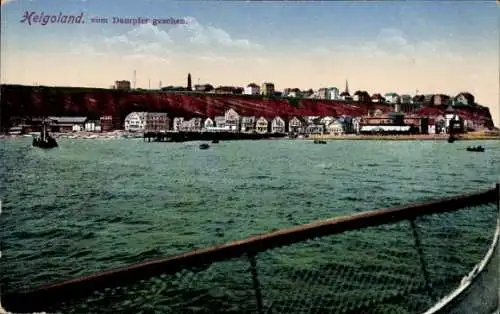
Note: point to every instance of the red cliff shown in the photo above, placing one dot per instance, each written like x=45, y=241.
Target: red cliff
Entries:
x=18, y=100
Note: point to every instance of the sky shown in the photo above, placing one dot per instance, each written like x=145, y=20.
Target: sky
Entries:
x=388, y=46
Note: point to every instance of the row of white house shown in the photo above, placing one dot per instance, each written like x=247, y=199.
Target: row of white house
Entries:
x=262, y=125
x=233, y=122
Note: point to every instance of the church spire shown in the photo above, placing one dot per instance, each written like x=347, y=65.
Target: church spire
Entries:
x=189, y=82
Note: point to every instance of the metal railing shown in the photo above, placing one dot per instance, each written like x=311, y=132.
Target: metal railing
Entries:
x=407, y=259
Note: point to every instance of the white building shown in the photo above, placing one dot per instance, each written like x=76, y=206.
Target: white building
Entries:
x=92, y=126
x=261, y=125
x=392, y=98
x=326, y=120
x=208, y=123
x=135, y=122
x=315, y=128
x=247, y=124
x=356, y=125
x=335, y=128
x=191, y=125
x=198, y=123
x=432, y=129
x=293, y=93
x=323, y=93
x=252, y=89
x=177, y=123
x=220, y=121
x=267, y=89
x=311, y=119
x=89, y=126
x=334, y=93
x=232, y=119
x=75, y=124
x=296, y=125
x=278, y=125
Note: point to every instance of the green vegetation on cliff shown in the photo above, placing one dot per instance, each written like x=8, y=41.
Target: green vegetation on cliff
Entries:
x=294, y=102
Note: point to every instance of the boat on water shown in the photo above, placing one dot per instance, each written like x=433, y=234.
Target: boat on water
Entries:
x=319, y=142
x=475, y=149
x=44, y=140
x=215, y=141
x=204, y=146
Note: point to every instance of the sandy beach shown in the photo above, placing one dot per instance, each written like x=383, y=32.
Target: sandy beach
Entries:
x=75, y=135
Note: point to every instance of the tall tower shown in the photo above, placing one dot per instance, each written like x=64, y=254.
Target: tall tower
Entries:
x=189, y=82
x=346, y=86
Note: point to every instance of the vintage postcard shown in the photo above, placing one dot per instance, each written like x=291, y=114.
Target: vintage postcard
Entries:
x=249, y=156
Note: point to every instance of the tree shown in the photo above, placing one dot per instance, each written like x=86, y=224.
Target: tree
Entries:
x=294, y=102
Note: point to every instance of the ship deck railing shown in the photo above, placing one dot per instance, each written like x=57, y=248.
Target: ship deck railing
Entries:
x=438, y=256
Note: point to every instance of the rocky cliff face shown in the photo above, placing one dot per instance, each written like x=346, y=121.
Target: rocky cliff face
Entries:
x=34, y=101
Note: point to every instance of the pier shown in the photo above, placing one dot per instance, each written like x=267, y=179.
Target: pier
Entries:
x=392, y=260
x=207, y=136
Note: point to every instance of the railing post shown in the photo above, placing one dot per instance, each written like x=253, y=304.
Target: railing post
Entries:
x=423, y=264
x=256, y=284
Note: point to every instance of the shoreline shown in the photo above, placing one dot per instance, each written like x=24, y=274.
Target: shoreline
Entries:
x=419, y=137
x=75, y=135
x=401, y=137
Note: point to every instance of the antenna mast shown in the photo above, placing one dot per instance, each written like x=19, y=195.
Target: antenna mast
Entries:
x=135, y=77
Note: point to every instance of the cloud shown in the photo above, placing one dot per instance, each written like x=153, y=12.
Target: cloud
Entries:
x=392, y=37
x=144, y=40
x=194, y=33
x=155, y=42
x=147, y=58
x=393, y=44
x=213, y=58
